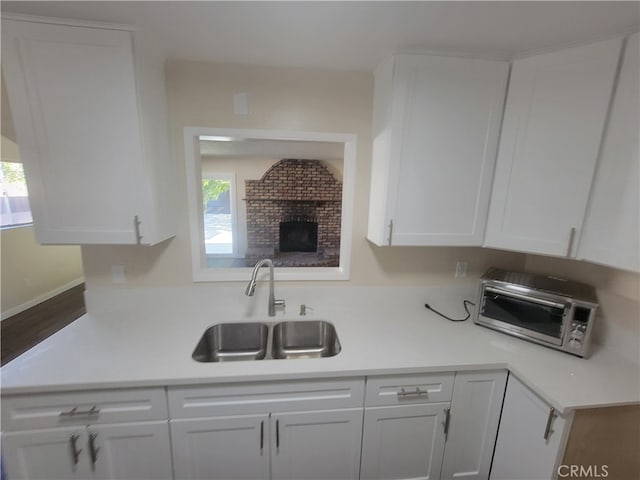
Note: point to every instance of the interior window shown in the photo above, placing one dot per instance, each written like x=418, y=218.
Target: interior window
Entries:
x=255, y=194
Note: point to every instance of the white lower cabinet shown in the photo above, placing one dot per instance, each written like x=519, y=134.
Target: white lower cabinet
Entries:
x=405, y=441
x=124, y=451
x=475, y=414
x=295, y=446
x=108, y=434
x=434, y=426
x=276, y=430
x=131, y=451
x=418, y=426
x=316, y=445
x=45, y=454
x=229, y=448
x=531, y=438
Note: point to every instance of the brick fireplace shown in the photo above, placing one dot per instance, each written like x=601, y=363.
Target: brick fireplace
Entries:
x=302, y=199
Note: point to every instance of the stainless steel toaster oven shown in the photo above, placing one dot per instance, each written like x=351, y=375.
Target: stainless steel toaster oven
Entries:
x=543, y=309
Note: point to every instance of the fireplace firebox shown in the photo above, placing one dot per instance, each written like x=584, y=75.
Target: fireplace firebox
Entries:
x=298, y=236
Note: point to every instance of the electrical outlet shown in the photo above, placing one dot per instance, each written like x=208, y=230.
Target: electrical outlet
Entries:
x=461, y=269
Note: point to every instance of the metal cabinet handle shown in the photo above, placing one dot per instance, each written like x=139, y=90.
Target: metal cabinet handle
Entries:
x=74, y=412
x=277, y=433
x=447, y=419
x=136, y=224
x=403, y=394
x=390, y=231
x=73, y=446
x=572, y=234
x=93, y=450
x=547, y=430
x=261, y=436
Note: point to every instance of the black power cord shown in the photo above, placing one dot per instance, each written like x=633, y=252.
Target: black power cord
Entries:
x=466, y=308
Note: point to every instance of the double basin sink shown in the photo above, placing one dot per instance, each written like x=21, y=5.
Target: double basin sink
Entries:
x=260, y=341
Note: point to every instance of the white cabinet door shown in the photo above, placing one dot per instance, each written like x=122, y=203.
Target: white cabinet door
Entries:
x=223, y=448
x=522, y=452
x=46, y=454
x=322, y=445
x=612, y=229
x=436, y=125
x=73, y=96
x=475, y=413
x=553, y=124
x=130, y=450
x=403, y=442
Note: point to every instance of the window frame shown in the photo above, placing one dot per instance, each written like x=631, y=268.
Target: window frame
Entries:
x=200, y=272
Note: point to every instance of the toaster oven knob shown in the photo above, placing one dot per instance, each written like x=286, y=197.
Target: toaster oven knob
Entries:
x=576, y=338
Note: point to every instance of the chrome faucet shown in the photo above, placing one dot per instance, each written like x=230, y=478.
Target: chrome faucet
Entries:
x=251, y=288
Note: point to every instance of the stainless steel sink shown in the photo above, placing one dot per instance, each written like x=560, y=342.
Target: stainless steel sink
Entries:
x=226, y=342
x=305, y=339
x=233, y=341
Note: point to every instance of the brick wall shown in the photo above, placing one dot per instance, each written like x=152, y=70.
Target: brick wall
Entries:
x=294, y=188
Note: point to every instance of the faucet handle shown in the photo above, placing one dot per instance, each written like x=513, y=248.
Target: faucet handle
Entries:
x=279, y=304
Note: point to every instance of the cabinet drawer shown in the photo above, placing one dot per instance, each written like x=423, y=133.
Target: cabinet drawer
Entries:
x=407, y=389
x=233, y=399
x=24, y=412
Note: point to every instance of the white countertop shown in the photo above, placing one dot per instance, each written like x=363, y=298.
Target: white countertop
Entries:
x=145, y=337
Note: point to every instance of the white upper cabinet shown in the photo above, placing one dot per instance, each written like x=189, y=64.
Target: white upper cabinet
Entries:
x=553, y=125
x=611, y=227
x=436, y=126
x=91, y=125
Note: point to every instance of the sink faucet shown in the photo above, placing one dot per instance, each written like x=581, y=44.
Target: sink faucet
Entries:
x=251, y=288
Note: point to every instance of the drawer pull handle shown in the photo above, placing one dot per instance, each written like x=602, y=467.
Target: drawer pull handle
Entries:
x=75, y=451
x=402, y=394
x=74, y=412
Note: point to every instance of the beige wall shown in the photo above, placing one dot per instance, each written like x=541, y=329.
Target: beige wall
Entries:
x=31, y=273
x=617, y=282
x=201, y=95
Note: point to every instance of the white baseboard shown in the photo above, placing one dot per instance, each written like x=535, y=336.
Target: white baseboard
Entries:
x=45, y=296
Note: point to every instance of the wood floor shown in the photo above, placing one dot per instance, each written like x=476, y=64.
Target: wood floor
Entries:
x=26, y=329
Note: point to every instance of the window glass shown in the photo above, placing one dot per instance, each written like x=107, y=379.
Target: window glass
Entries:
x=14, y=208
x=217, y=193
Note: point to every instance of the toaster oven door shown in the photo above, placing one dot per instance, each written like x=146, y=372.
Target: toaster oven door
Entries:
x=523, y=315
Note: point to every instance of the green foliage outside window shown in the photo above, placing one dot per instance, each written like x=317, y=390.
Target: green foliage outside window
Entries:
x=211, y=189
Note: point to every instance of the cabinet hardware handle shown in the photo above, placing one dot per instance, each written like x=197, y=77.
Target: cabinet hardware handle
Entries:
x=390, y=231
x=572, y=234
x=75, y=451
x=277, y=433
x=74, y=412
x=417, y=393
x=261, y=436
x=447, y=419
x=547, y=430
x=93, y=450
x=136, y=224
